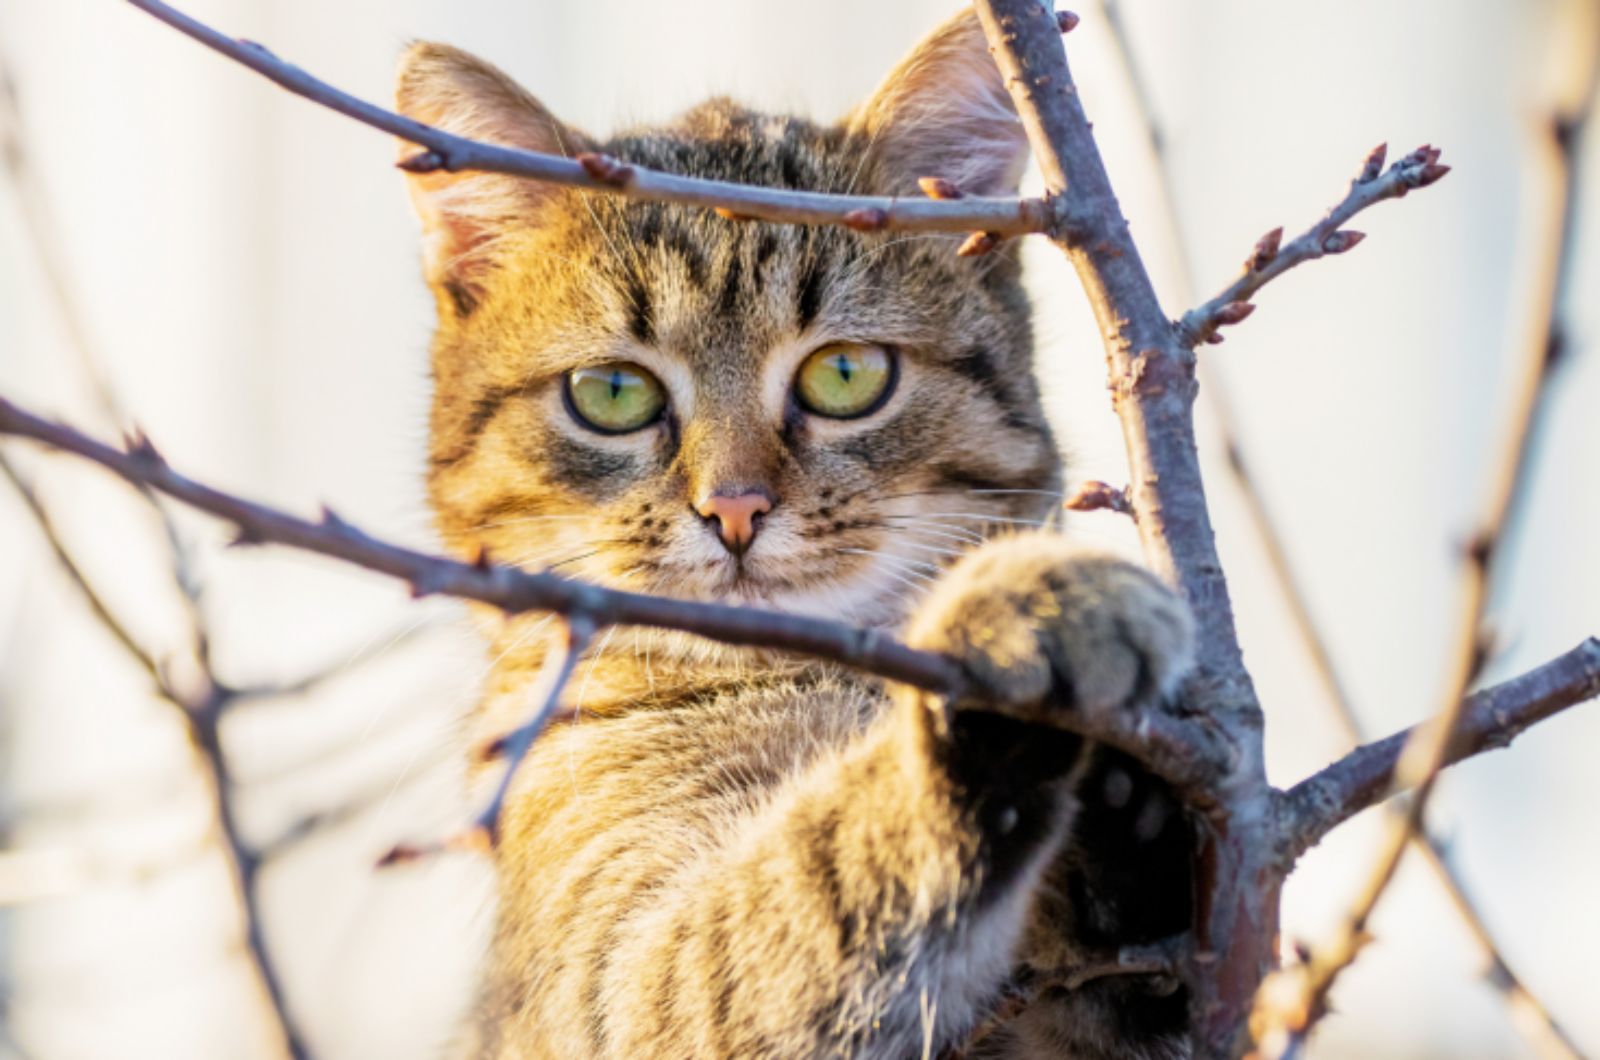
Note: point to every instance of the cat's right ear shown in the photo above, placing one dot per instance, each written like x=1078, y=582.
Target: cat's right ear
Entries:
x=944, y=112
x=462, y=214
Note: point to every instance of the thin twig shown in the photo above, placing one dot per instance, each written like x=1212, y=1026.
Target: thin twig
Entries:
x=1186, y=752
x=1296, y=998
x=97, y=604
x=484, y=832
x=1529, y=1014
x=1434, y=744
x=1490, y=719
x=1271, y=258
x=444, y=151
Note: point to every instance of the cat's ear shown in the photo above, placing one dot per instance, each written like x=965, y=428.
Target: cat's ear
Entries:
x=945, y=112
x=463, y=213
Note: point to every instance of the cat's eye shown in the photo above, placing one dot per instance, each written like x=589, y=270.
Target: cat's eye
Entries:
x=614, y=398
x=845, y=380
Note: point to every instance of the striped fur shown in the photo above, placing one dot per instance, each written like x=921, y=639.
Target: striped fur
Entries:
x=730, y=854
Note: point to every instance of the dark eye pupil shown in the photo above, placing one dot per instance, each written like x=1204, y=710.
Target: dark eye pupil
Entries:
x=844, y=367
x=616, y=385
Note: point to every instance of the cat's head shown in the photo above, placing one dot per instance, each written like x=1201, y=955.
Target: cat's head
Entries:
x=657, y=398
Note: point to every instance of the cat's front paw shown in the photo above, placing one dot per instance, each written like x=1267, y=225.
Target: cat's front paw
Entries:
x=1041, y=626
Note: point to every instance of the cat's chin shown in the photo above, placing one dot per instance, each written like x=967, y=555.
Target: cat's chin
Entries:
x=791, y=586
x=859, y=604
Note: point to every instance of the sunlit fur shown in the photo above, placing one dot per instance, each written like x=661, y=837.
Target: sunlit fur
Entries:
x=731, y=853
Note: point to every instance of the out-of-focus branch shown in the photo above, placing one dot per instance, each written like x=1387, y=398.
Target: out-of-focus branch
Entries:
x=598, y=173
x=1296, y=998
x=102, y=611
x=202, y=701
x=201, y=705
x=1435, y=744
x=1271, y=257
x=1529, y=1014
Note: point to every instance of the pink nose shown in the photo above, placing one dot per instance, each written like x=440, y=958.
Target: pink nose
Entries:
x=736, y=516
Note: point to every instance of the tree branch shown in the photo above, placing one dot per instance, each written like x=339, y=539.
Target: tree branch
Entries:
x=514, y=746
x=1529, y=1014
x=1187, y=752
x=1268, y=260
x=445, y=151
x=1432, y=746
x=1153, y=388
x=201, y=708
x=1490, y=720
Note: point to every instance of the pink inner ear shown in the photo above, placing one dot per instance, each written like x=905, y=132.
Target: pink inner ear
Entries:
x=450, y=229
x=462, y=212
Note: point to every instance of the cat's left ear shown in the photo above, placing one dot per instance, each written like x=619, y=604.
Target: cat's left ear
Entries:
x=945, y=112
x=463, y=213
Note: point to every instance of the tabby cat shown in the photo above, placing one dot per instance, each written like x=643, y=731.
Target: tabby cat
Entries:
x=728, y=854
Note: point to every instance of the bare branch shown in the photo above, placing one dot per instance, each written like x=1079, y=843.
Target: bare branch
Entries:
x=1490, y=719
x=1268, y=260
x=1297, y=997
x=201, y=708
x=102, y=611
x=1187, y=752
x=554, y=676
x=1152, y=383
x=448, y=152
x=1433, y=745
x=1529, y=1014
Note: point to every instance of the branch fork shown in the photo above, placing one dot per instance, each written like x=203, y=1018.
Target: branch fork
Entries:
x=1271, y=258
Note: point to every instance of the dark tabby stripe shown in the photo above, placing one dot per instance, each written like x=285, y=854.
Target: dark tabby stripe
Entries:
x=484, y=410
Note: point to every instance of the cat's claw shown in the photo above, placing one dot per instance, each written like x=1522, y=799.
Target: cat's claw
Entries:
x=1041, y=626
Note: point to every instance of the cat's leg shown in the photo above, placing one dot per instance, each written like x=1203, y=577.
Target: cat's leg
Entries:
x=872, y=902
x=1122, y=882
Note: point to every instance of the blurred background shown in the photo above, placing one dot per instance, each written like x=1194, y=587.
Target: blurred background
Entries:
x=242, y=267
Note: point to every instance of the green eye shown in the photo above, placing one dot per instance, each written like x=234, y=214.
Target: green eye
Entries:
x=614, y=398
x=845, y=379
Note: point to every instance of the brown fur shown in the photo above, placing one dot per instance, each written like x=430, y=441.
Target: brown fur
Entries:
x=734, y=855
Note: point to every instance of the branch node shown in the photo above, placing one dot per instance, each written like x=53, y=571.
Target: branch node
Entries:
x=977, y=244
x=1265, y=250
x=866, y=219
x=1339, y=242
x=141, y=448
x=940, y=188
x=423, y=162
x=1234, y=312
x=1095, y=496
x=605, y=169
x=334, y=521
x=1373, y=166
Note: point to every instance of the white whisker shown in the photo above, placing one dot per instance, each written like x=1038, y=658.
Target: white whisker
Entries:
x=932, y=548
x=981, y=516
x=530, y=519
x=947, y=531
